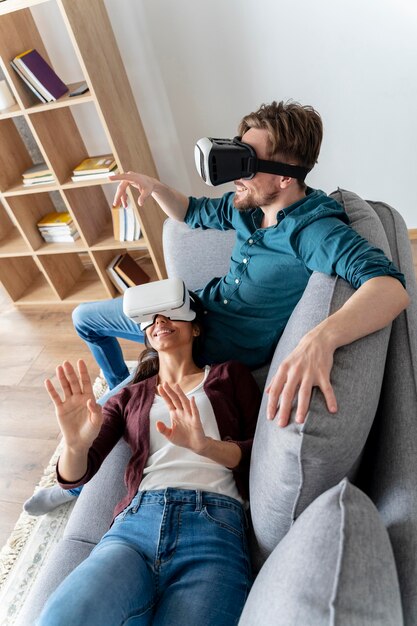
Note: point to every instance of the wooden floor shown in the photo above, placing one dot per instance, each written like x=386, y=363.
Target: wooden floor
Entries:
x=32, y=342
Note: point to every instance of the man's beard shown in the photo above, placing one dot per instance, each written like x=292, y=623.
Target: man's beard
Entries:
x=253, y=200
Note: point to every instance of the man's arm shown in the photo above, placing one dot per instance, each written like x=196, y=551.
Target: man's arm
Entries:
x=372, y=307
x=172, y=202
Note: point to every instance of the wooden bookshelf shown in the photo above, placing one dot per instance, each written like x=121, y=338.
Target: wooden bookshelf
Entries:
x=32, y=271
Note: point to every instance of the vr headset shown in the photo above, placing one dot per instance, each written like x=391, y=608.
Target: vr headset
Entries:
x=169, y=298
x=220, y=161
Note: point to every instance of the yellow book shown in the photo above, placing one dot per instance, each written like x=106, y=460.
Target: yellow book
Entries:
x=55, y=219
x=95, y=165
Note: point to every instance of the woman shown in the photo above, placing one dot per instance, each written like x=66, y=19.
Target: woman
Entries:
x=177, y=550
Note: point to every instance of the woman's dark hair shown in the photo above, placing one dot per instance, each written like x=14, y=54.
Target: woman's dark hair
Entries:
x=148, y=361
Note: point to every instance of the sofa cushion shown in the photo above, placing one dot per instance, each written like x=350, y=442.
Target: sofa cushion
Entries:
x=196, y=255
x=335, y=566
x=292, y=466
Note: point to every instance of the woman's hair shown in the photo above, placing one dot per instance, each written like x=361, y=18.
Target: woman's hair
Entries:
x=148, y=361
x=294, y=131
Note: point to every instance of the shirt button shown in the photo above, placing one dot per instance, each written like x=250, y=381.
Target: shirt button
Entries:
x=225, y=301
x=245, y=260
x=205, y=312
x=237, y=281
x=250, y=241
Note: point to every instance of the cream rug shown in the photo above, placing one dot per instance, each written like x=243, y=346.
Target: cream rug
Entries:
x=31, y=542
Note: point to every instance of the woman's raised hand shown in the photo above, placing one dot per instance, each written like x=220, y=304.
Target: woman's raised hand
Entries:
x=186, y=428
x=79, y=416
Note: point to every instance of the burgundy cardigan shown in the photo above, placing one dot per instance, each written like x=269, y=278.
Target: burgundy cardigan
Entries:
x=235, y=398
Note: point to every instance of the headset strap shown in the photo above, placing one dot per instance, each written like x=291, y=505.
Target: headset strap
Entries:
x=283, y=169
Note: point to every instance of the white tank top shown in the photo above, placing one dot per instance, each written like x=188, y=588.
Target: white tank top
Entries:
x=172, y=466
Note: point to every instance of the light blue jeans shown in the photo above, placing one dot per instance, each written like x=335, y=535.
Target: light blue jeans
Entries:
x=98, y=324
x=172, y=558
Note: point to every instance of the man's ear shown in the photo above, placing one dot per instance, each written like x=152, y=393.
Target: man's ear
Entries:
x=287, y=181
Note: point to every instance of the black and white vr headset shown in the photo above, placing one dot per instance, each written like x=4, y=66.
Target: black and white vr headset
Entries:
x=169, y=298
x=220, y=161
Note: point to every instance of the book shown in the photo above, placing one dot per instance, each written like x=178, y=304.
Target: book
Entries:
x=130, y=219
x=126, y=226
x=37, y=174
x=114, y=277
x=60, y=238
x=58, y=227
x=39, y=169
x=40, y=74
x=27, y=82
x=33, y=81
x=119, y=222
x=82, y=177
x=42, y=180
x=70, y=229
x=103, y=164
x=55, y=218
x=129, y=271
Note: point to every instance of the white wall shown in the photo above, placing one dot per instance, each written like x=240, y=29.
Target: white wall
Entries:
x=197, y=67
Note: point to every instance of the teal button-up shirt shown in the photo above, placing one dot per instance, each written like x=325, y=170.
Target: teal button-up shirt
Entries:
x=248, y=308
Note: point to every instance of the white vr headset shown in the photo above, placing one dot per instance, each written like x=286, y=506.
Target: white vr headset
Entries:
x=221, y=161
x=169, y=298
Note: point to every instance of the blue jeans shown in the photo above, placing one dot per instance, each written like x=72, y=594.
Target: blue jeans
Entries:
x=172, y=558
x=98, y=324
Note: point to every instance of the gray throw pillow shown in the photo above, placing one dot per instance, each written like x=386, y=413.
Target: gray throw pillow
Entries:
x=335, y=566
x=292, y=466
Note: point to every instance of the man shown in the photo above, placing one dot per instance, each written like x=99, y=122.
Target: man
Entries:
x=285, y=230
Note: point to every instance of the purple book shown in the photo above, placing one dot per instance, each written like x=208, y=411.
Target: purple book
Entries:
x=44, y=73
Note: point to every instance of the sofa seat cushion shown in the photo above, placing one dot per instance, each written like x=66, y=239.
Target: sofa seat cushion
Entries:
x=335, y=566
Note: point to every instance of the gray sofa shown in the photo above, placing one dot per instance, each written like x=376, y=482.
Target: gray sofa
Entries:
x=333, y=502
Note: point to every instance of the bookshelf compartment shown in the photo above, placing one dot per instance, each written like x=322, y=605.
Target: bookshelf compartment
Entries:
x=91, y=211
x=105, y=257
x=14, y=156
x=66, y=136
x=27, y=211
x=73, y=277
x=11, y=242
x=18, y=32
x=58, y=133
x=24, y=282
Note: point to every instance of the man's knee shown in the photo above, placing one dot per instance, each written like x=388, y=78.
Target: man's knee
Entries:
x=79, y=316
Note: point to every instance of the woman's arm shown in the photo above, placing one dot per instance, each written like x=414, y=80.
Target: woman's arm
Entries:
x=79, y=417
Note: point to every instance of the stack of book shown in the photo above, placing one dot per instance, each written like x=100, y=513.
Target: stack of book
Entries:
x=124, y=272
x=95, y=167
x=126, y=225
x=58, y=227
x=39, y=76
x=37, y=174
